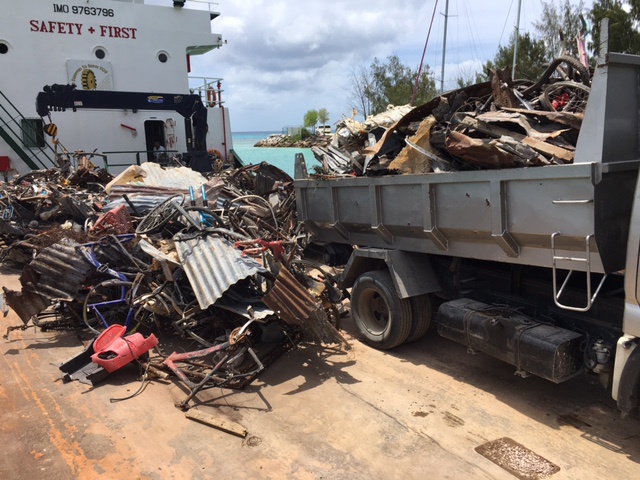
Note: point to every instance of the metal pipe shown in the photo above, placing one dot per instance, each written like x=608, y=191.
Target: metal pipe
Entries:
x=515, y=43
x=444, y=44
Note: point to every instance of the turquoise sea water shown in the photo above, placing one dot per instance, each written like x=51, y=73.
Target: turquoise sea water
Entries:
x=283, y=158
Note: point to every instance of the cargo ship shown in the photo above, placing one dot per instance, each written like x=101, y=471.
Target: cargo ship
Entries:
x=124, y=68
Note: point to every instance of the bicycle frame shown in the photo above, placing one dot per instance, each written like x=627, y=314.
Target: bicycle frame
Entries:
x=89, y=252
x=89, y=249
x=96, y=307
x=230, y=347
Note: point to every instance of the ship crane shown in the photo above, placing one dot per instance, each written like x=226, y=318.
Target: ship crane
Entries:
x=63, y=97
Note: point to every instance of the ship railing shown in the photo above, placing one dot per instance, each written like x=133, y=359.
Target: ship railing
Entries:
x=140, y=156
x=209, y=89
x=212, y=7
x=16, y=129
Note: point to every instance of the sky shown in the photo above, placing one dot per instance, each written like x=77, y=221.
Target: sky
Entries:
x=285, y=57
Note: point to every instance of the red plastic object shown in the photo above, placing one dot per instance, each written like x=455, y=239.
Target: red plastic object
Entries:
x=276, y=247
x=116, y=221
x=114, y=350
x=107, y=337
x=5, y=164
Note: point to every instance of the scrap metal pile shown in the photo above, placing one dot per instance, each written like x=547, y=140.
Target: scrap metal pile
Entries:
x=497, y=124
x=173, y=256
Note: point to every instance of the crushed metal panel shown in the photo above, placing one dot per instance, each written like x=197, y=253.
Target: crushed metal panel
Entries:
x=25, y=304
x=256, y=311
x=58, y=272
x=293, y=303
x=539, y=131
x=289, y=299
x=212, y=266
x=142, y=203
x=152, y=174
x=410, y=160
x=75, y=207
x=267, y=176
x=570, y=119
x=478, y=152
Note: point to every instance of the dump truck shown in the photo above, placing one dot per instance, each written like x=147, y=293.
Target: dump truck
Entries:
x=538, y=267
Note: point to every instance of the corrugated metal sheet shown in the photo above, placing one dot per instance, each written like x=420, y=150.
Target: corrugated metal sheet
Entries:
x=151, y=174
x=293, y=303
x=57, y=272
x=289, y=299
x=212, y=265
x=75, y=207
x=143, y=203
x=145, y=198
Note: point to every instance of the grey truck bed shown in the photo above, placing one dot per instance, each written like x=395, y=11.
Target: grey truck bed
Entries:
x=518, y=215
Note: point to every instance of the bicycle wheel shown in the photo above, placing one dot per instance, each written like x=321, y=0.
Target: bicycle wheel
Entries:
x=106, y=304
x=34, y=175
x=565, y=97
x=581, y=73
x=160, y=215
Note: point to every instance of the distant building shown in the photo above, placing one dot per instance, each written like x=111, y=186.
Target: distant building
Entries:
x=324, y=130
x=291, y=131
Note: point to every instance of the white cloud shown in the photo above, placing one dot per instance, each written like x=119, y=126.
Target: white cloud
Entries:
x=284, y=57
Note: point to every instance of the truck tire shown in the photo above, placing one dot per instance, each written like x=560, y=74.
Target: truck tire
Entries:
x=420, y=316
x=383, y=319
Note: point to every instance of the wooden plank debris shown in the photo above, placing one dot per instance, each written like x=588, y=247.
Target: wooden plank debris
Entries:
x=219, y=423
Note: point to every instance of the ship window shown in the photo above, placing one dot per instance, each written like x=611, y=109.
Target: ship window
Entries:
x=32, y=132
x=4, y=48
x=100, y=53
x=163, y=57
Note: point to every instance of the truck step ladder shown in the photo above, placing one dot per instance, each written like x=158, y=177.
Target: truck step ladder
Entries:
x=586, y=260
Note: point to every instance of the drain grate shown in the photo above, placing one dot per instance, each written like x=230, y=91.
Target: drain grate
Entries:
x=517, y=459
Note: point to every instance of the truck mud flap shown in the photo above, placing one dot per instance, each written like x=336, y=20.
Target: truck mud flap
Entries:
x=532, y=347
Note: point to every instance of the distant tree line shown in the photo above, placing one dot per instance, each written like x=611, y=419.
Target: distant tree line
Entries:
x=313, y=117
x=390, y=82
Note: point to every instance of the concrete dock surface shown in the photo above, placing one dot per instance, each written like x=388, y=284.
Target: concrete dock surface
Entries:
x=421, y=411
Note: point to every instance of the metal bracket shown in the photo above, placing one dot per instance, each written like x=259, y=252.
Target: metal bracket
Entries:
x=587, y=260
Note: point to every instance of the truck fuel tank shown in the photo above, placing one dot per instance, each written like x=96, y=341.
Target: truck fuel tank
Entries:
x=538, y=348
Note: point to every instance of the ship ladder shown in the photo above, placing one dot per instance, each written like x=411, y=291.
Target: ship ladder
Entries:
x=13, y=132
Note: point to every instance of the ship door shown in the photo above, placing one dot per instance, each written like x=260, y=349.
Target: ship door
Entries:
x=170, y=135
x=153, y=132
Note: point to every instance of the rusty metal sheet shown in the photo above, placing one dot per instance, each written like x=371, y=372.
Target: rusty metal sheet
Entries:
x=294, y=304
x=478, y=152
x=58, y=272
x=25, y=304
x=143, y=203
x=570, y=119
x=291, y=301
x=212, y=266
x=542, y=131
x=411, y=160
x=75, y=207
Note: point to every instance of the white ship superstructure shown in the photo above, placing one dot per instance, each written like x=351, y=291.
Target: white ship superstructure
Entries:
x=111, y=45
